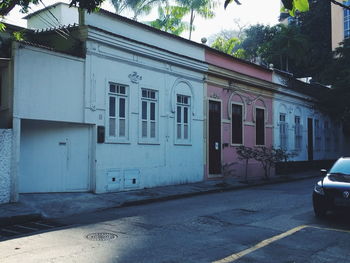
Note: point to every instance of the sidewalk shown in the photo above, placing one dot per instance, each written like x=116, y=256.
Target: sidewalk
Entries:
x=58, y=205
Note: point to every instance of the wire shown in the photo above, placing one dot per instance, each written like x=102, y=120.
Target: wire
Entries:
x=59, y=23
x=57, y=30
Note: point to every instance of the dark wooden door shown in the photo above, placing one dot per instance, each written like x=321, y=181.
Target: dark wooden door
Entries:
x=310, y=139
x=214, y=137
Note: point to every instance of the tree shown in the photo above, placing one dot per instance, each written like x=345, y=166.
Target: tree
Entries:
x=316, y=26
x=269, y=156
x=200, y=7
x=287, y=49
x=7, y=5
x=255, y=40
x=170, y=19
x=335, y=101
x=229, y=46
x=245, y=154
x=138, y=7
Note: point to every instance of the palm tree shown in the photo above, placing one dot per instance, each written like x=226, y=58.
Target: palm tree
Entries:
x=138, y=7
x=170, y=19
x=200, y=7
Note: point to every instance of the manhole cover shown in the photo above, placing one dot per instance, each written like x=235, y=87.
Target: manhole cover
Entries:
x=101, y=236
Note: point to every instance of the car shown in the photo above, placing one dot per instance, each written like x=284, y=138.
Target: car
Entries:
x=333, y=191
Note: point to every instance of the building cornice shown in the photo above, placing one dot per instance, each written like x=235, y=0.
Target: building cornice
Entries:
x=235, y=77
x=139, y=48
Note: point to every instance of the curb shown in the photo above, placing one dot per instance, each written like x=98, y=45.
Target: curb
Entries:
x=18, y=219
x=211, y=191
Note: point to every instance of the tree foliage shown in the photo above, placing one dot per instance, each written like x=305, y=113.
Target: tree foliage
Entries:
x=203, y=8
x=336, y=100
x=138, y=7
x=287, y=49
x=170, y=19
x=228, y=46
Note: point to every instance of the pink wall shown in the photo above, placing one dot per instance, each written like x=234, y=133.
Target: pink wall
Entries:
x=228, y=62
x=229, y=153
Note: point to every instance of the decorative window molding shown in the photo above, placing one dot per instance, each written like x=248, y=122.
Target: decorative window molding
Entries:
x=260, y=130
x=298, y=133
x=118, y=113
x=184, y=87
x=149, y=120
x=242, y=102
x=183, y=119
x=237, y=128
x=255, y=106
x=283, y=131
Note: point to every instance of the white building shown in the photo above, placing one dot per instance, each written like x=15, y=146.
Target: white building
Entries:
x=123, y=110
x=301, y=128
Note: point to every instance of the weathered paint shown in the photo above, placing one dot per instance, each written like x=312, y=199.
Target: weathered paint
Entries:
x=164, y=161
x=53, y=87
x=291, y=104
x=225, y=61
x=230, y=81
x=229, y=153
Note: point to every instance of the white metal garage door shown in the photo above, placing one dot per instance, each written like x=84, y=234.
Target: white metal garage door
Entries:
x=54, y=157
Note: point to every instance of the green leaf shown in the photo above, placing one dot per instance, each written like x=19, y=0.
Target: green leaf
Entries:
x=2, y=27
x=301, y=5
x=18, y=36
x=292, y=12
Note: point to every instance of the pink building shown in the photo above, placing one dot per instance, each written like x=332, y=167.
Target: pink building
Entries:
x=239, y=112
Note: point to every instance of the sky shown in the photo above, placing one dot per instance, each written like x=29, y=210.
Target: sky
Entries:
x=249, y=13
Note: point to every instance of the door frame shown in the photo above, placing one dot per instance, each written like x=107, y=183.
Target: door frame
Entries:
x=207, y=143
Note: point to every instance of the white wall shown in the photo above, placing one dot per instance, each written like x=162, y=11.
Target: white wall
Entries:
x=139, y=32
x=163, y=162
x=44, y=19
x=292, y=106
x=48, y=85
x=5, y=164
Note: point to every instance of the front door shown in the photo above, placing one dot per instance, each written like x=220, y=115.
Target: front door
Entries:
x=310, y=139
x=214, y=137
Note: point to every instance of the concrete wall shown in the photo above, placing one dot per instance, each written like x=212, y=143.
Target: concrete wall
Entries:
x=48, y=85
x=61, y=12
x=5, y=164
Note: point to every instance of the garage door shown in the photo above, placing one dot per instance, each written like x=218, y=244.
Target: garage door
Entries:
x=54, y=157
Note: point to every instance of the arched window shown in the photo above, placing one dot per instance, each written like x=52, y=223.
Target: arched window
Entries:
x=283, y=127
x=260, y=118
x=182, y=102
x=236, y=113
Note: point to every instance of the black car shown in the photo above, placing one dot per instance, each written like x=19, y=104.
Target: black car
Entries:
x=333, y=191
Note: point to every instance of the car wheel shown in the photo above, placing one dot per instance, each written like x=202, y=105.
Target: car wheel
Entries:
x=319, y=210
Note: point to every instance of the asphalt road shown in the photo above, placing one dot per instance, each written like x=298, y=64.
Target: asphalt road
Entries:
x=272, y=223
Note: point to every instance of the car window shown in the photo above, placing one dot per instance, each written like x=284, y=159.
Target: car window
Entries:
x=341, y=166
